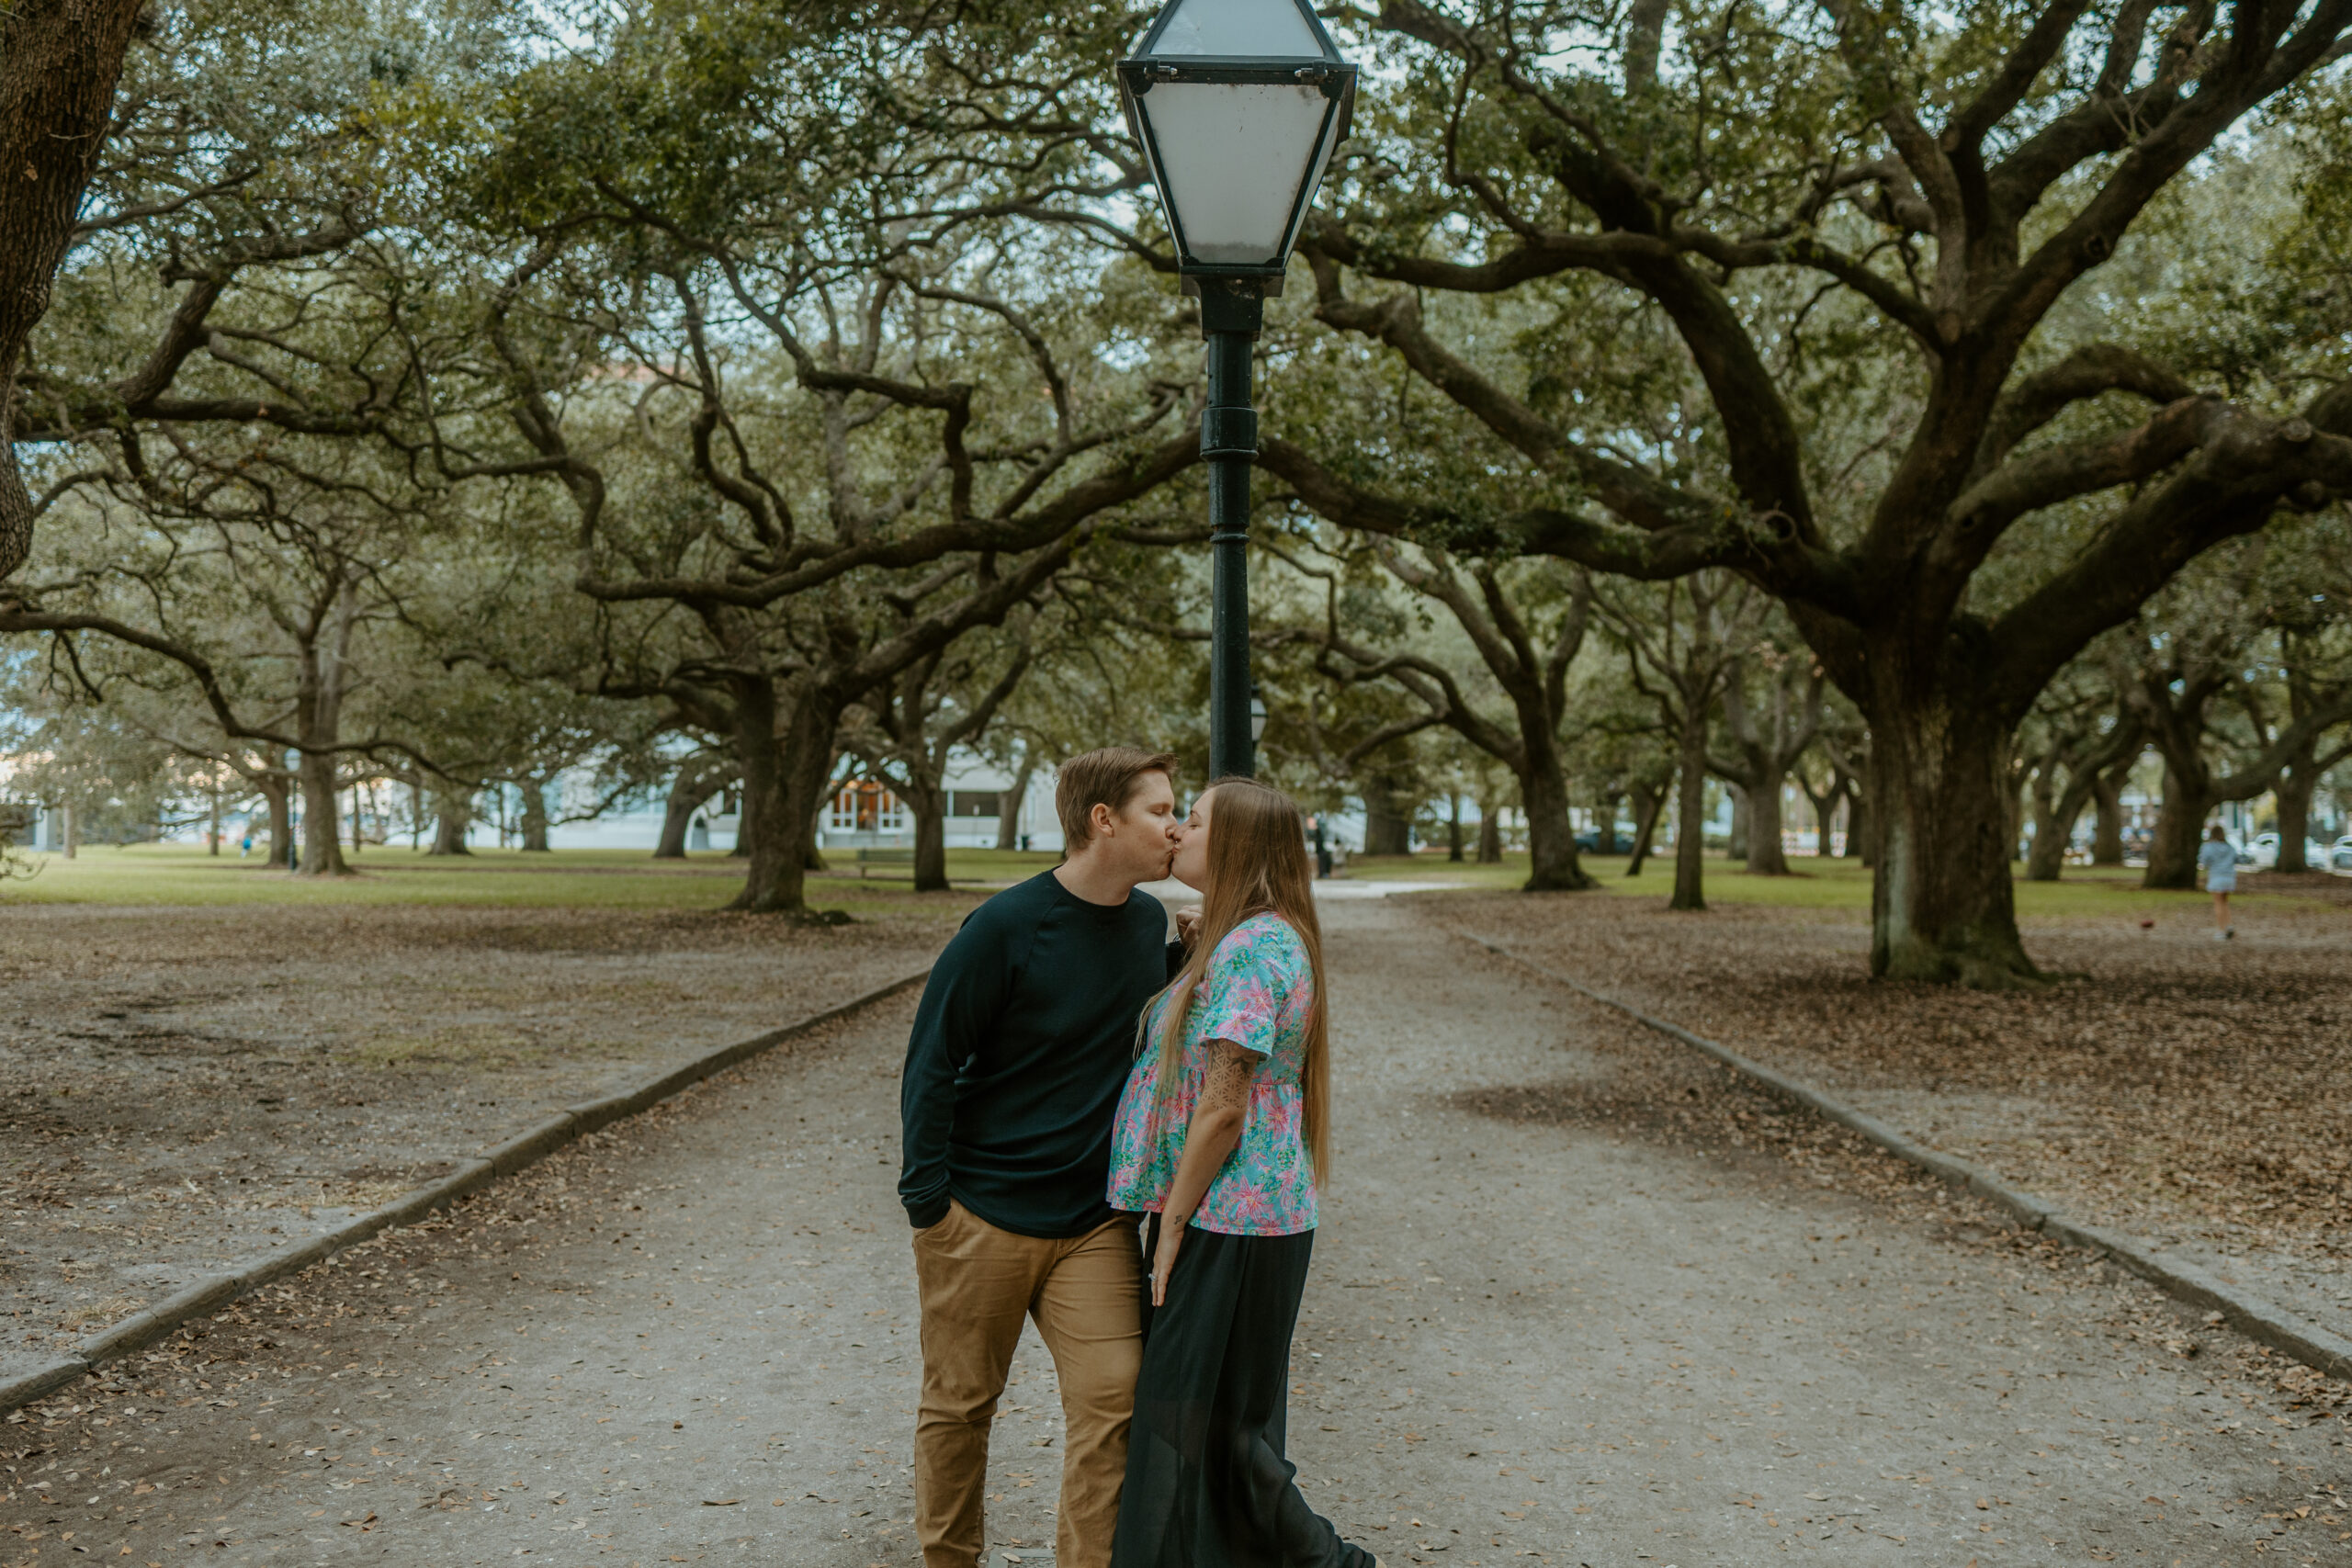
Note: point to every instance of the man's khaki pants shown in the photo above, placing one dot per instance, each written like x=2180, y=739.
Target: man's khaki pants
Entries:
x=978, y=1282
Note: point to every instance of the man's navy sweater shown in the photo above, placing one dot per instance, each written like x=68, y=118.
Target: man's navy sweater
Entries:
x=1020, y=1049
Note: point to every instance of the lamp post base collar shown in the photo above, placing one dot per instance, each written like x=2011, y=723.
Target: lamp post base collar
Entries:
x=1232, y=304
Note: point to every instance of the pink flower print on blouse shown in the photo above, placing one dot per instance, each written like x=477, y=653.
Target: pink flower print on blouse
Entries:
x=1257, y=992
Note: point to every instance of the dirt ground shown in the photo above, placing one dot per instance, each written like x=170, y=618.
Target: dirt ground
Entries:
x=182, y=1089
x=1581, y=1297
x=2189, y=1091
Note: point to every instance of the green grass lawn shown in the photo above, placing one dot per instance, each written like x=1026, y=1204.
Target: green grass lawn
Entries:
x=1816, y=885
x=630, y=879
x=618, y=879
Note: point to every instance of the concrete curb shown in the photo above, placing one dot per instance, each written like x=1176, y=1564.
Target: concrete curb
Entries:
x=150, y=1325
x=2257, y=1319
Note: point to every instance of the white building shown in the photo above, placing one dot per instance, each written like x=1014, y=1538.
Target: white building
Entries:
x=862, y=814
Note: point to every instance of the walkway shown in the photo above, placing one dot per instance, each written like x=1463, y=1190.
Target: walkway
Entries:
x=1531, y=1335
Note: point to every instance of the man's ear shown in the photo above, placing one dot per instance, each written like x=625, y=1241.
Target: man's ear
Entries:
x=1103, y=820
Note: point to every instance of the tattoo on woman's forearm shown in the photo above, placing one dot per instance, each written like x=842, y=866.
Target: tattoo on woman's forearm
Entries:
x=1226, y=1082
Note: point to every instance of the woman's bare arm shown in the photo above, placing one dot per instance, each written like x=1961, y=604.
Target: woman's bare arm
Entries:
x=1217, y=1120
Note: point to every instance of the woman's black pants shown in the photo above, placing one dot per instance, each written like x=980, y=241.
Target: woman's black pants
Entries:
x=1207, y=1482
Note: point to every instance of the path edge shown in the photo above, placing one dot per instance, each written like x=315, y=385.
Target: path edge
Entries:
x=2257, y=1319
x=526, y=1149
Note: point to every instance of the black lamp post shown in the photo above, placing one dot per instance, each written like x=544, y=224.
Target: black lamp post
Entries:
x=293, y=807
x=1238, y=105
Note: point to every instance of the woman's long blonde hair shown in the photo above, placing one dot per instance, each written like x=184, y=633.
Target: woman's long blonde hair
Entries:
x=1257, y=865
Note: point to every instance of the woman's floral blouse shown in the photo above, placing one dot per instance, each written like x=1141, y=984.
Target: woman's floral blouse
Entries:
x=1257, y=993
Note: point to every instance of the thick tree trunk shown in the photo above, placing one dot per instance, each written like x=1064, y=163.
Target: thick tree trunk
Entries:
x=1690, y=813
x=2107, y=801
x=2047, y=855
x=1942, y=907
x=320, y=674
x=929, y=807
x=1453, y=835
x=1009, y=804
x=322, y=836
x=2180, y=824
x=1861, y=828
x=281, y=820
x=415, y=815
x=811, y=857
x=1552, y=863
x=1386, y=828
x=784, y=778
x=1648, y=805
x=72, y=830
x=1766, y=743
x=753, y=804
x=453, y=811
x=2054, y=820
x=2293, y=792
x=212, y=834
x=1490, y=833
x=774, y=871
x=59, y=64
x=698, y=778
x=534, y=815
x=1766, y=855
x=677, y=815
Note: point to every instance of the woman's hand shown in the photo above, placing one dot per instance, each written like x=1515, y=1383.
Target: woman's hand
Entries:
x=1188, y=925
x=1163, y=1258
x=1218, y=1117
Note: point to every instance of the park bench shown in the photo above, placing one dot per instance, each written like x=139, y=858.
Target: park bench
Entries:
x=884, y=857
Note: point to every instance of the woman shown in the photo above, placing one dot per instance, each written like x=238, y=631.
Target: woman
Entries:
x=2220, y=864
x=1221, y=1135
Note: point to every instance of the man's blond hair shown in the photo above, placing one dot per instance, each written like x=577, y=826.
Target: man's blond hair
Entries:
x=1108, y=777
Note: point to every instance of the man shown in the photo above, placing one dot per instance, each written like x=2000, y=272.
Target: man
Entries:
x=1020, y=1049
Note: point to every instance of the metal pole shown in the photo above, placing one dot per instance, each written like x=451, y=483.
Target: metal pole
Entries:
x=1231, y=315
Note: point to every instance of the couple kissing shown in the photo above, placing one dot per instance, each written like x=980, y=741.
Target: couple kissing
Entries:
x=1120, y=1138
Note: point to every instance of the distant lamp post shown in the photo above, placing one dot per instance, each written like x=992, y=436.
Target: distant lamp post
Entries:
x=1257, y=715
x=293, y=811
x=1238, y=105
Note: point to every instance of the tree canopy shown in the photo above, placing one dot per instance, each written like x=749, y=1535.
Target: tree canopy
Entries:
x=461, y=394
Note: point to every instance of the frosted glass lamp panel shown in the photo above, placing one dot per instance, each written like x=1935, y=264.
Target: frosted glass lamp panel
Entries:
x=1323, y=151
x=1263, y=28
x=1231, y=156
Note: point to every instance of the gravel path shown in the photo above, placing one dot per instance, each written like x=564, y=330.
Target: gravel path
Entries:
x=183, y=1091
x=2189, y=1093
x=1580, y=1300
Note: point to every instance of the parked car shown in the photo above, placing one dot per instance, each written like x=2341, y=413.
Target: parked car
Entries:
x=2265, y=848
x=2340, y=857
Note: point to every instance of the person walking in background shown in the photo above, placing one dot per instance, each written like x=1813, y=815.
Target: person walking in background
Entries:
x=1223, y=1134
x=1014, y=1072
x=2220, y=864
